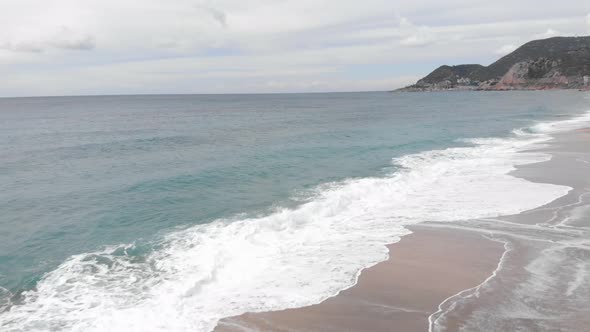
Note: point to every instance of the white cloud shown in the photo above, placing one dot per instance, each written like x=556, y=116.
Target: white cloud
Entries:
x=234, y=45
x=60, y=38
x=547, y=34
x=415, y=35
x=68, y=39
x=505, y=49
x=420, y=38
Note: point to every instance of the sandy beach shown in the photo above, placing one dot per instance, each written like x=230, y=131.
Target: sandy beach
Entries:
x=425, y=268
x=527, y=272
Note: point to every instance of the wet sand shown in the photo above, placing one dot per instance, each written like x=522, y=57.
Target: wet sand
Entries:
x=425, y=268
x=527, y=272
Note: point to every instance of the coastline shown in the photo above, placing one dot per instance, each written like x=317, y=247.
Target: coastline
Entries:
x=424, y=268
x=473, y=274
x=476, y=89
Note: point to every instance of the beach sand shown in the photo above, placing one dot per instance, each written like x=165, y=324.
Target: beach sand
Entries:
x=527, y=272
x=425, y=268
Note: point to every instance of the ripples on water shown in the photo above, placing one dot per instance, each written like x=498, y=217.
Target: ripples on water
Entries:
x=236, y=202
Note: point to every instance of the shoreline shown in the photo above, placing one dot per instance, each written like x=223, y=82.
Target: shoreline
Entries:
x=402, y=90
x=514, y=254
x=395, y=291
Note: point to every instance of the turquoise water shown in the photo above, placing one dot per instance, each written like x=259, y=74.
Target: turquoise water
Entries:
x=81, y=173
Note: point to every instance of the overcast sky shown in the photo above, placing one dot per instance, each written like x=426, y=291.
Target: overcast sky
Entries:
x=73, y=47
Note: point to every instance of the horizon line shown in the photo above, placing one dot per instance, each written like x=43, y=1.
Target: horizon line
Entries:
x=190, y=94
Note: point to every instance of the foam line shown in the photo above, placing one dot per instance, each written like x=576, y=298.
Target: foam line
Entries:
x=290, y=258
x=474, y=291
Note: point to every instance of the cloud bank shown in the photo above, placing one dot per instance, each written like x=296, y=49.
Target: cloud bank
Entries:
x=64, y=47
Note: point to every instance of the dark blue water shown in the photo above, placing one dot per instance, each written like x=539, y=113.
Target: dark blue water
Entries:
x=78, y=173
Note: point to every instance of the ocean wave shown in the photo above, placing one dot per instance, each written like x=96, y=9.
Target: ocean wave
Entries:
x=290, y=258
x=574, y=123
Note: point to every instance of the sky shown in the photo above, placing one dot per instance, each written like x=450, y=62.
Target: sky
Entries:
x=88, y=47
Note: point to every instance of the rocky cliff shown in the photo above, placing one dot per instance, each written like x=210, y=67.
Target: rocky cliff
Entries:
x=554, y=63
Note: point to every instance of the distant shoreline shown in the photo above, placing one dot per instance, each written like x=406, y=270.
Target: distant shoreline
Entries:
x=464, y=89
x=546, y=64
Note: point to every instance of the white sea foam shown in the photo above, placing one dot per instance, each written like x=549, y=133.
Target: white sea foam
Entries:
x=291, y=258
x=574, y=123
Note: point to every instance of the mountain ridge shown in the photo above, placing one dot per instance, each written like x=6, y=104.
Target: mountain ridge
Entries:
x=552, y=63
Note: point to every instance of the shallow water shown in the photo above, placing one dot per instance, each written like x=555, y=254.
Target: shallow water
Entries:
x=542, y=281
x=200, y=207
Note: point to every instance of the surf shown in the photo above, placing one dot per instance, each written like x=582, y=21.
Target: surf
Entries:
x=289, y=258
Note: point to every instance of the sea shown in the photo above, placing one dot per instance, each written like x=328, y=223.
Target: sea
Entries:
x=170, y=212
